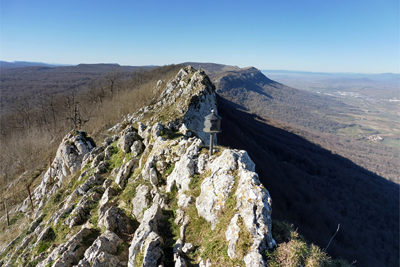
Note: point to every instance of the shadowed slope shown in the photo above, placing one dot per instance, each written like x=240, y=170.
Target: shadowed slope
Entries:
x=316, y=190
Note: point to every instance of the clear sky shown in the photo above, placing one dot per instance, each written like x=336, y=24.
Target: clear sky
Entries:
x=308, y=35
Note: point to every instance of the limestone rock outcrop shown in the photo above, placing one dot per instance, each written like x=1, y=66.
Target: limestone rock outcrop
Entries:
x=150, y=195
x=68, y=161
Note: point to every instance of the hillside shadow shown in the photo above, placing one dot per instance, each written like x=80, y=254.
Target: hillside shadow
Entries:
x=246, y=84
x=316, y=190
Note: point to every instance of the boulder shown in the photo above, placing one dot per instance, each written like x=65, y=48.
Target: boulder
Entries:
x=114, y=219
x=125, y=171
x=137, y=148
x=108, y=194
x=146, y=237
x=156, y=130
x=105, y=259
x=188, y=247
x=81, y=213
x=141, y=201
x=107, y=242
x=184, y=168
x=125, y=141
x=149, y=172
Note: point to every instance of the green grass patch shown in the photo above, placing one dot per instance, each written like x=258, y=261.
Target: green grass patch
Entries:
x=118, y=157
x=121, y=248
x=170, y=168
x=61, y=231
x=130, y=190
x=33, y=263
x=169, y=134
x=43, y=246
x=139, y=259
x=94, y=217
x=16, y=218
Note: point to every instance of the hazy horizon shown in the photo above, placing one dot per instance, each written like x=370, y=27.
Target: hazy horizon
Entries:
x=262, y=70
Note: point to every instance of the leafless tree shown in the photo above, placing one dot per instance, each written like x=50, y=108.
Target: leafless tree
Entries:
x=22, y=113
x=96, y=92
x=112, y=80
x=76, y=114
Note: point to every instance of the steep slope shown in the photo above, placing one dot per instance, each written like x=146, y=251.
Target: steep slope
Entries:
x=150, y=195
x=254, y=91
x=316, y=189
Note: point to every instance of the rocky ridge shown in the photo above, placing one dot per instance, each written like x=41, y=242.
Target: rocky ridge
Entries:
x=149, y=195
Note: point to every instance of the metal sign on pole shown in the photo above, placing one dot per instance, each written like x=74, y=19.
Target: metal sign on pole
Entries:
x=212, y=125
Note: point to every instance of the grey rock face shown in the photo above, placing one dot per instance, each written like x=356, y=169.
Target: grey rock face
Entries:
x=140, y=201
x=185, y=167
x=108, y=194
x=113, y=219
x=216, y=188
x=105, y=259
x=47, y=233
x=253, y=203
x=232, y=235
x=70, y=249
x=156, y=130
x=89, y=183
x=126, y=140
x=153, y=252
x=192, y=96
x=149, y=171
x=180, y=262
x=185, y=200
x=137, y=148
x=146, y=239
x=125, y=171
x=107, y=243
x=67, y=161
x=80, y=213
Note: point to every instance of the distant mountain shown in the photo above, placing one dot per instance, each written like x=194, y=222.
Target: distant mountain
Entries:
x=23, y=64
x=344, y=78
x=210, y=68
x=251, y=89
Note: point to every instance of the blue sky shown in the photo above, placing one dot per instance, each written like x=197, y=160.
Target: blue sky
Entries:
x=307, y=35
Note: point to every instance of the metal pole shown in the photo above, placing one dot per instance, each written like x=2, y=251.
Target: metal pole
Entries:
x=30, y=196
x=211, y=143
x=5, y=203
